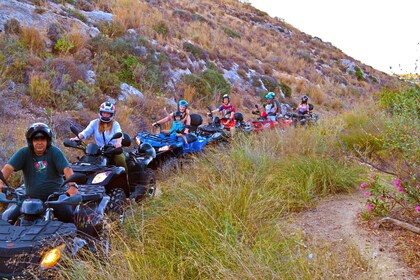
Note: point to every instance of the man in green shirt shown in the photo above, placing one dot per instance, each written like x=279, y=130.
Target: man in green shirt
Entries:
x=43, y=167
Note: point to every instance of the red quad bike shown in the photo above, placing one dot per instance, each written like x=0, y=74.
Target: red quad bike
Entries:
x=262, y=122
x=285, y=120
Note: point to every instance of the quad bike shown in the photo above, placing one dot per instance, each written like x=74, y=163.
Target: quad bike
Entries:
x=33, y=244
x=215, y=129
x=97, y=165
x=240, y=124
x=170, y=146
x=263, y=122
x=308, y=118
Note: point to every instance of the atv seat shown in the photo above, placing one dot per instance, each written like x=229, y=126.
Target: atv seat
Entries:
x=196, y=120
x=191, y=138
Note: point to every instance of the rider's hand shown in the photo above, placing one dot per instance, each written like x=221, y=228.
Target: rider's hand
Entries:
x=73, y=189
x=74, y=139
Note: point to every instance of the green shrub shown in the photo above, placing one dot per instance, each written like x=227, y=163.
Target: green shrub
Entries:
x=161, y=28
x=194, y=50
x=207, y=84
x=231, y=33
x=201, y=86
x=40, y=89
x=270, y=83
x=286, y=89
x=128, y=69
x=76, y=14
x=111, y=29
x=362, y=133
x=359, y=73
x=64, y=45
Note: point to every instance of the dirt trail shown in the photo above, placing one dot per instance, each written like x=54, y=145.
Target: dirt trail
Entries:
x=335, y=221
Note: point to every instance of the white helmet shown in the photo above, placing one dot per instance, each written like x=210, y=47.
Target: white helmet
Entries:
x=106, y=107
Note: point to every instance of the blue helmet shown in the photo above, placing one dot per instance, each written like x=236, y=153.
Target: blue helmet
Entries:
x=183, y=103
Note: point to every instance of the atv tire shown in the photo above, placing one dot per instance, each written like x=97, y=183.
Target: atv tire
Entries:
x=151, y=183
x=150, y=188
x=116, y=209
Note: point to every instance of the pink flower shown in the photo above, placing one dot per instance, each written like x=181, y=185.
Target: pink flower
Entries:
x=401, y=189
x=363, y=185
x=370, y=184
x=417, y=208
x=372, y=175
x=397, y=183
x=370, y=207
x=367, y=193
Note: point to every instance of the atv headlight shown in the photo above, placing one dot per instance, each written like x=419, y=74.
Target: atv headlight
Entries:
x=100, y=177
x=138, y=141
x=164, y=148
x=51, y=257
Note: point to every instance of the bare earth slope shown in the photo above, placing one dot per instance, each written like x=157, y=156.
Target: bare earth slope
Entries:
x=335, y=221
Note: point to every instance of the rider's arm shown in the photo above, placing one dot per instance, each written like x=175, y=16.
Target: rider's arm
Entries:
x=164, y=120
x=73, y=189
x=7, y=171
x=187, y=122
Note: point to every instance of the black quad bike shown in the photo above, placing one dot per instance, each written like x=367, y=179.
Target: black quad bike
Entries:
x=97, y=165
x=34, y=242
x=214, y=130
x=308, y=119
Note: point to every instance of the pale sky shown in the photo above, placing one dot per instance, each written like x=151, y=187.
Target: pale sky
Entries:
x=379, y=33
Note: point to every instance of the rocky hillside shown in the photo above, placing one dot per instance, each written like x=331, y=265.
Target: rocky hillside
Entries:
x=61, y=58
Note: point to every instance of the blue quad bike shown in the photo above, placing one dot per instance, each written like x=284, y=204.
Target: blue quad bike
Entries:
x=33, y=242
x=171, y=146
x=97, y=164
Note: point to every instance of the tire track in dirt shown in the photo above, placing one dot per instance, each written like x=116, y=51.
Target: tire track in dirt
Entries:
x=335, y=220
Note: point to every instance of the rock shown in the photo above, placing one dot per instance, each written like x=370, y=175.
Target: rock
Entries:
x=90, y=77
x=26, y=15
x=97, y=16
x=127, y=90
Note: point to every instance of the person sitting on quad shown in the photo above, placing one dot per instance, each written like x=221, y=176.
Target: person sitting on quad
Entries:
x=304, y=107
x=178, y=127
x=227, y=111
x=270, y=107
x=43, y=166
x=103, y=128
x=185, y=118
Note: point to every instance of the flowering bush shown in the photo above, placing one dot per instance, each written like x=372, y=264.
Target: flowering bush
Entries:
x=383, y=197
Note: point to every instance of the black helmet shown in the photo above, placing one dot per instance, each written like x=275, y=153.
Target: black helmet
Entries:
x=305, y=98
x=226, y=96
x=177, y=114
x=238, y=116
x=106, y=107
x=38, y=130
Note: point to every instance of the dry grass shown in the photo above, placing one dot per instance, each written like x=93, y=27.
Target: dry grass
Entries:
x=40, y=89
x=130, y=13
x=32, y=40
x=78, y=39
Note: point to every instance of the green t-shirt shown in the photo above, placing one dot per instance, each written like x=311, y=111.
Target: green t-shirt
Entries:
x=42, y=175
